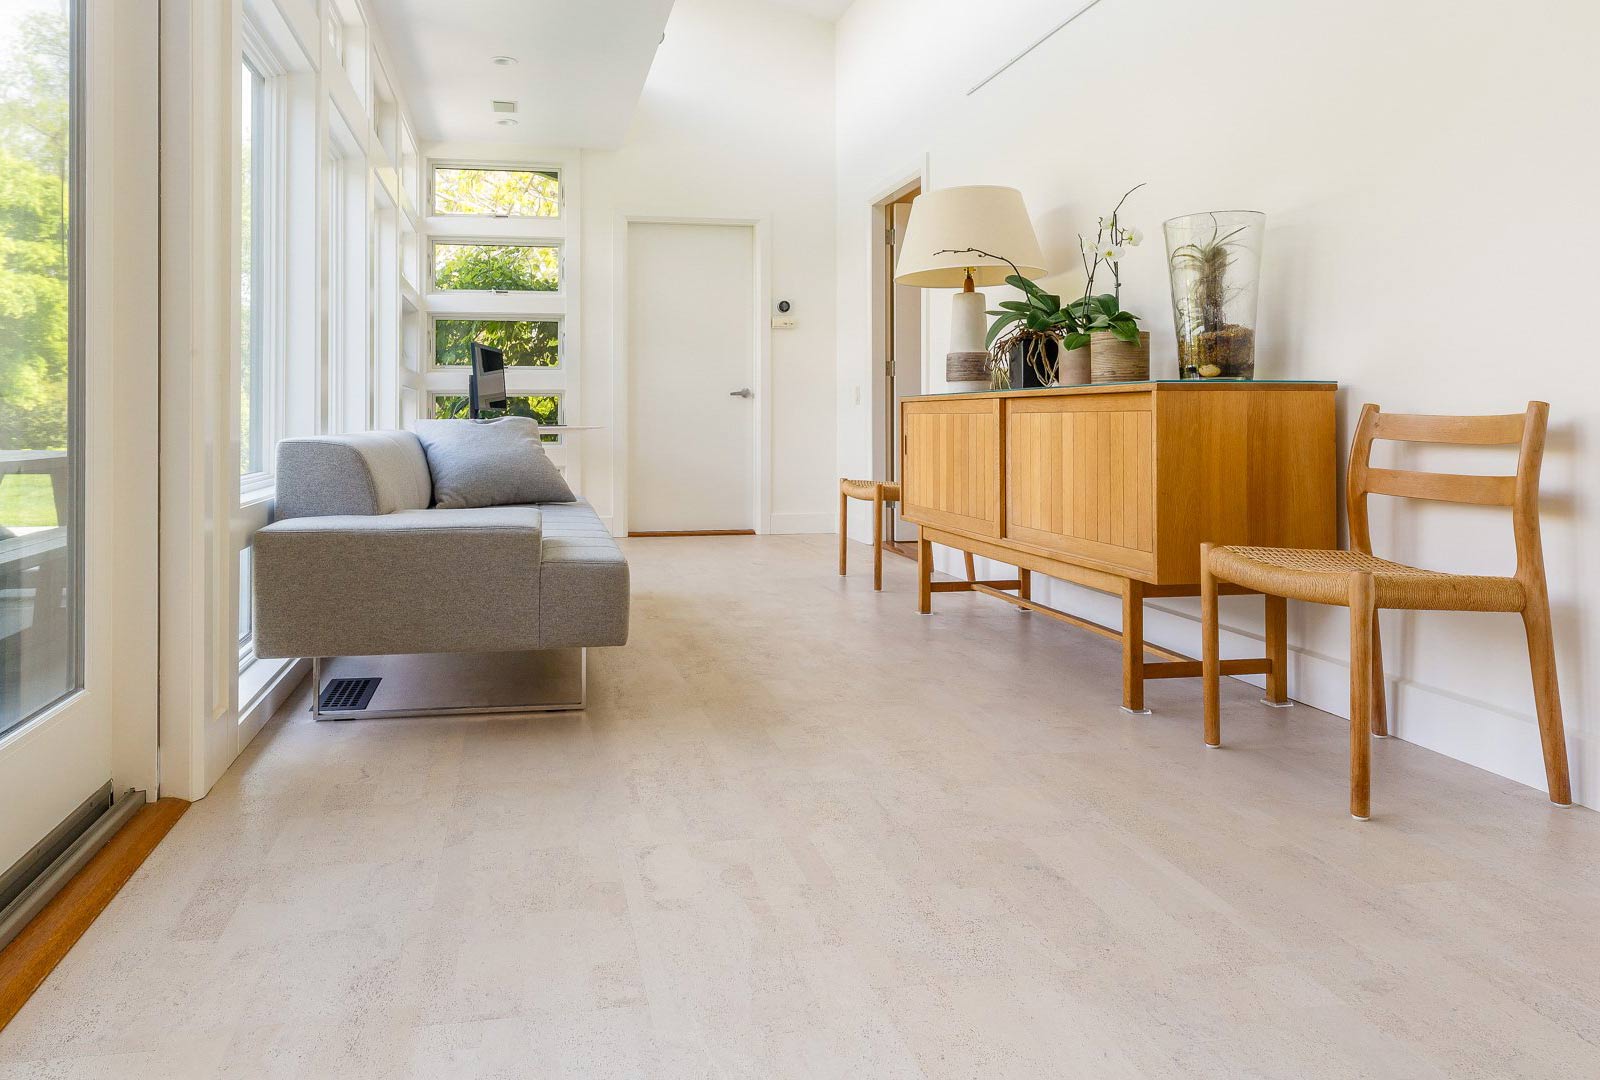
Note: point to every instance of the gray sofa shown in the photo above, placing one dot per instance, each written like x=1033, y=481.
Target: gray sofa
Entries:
x=357, y=564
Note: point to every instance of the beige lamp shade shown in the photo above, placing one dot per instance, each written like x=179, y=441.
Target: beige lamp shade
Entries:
x=993, y=219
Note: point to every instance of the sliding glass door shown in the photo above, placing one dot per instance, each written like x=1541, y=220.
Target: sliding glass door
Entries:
x=60, y=508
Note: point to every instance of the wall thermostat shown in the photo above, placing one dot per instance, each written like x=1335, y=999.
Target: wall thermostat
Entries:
x=784, y=306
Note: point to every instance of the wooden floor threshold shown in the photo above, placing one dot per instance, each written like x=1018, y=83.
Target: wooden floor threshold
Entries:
x=34, y=953
x=701, y=532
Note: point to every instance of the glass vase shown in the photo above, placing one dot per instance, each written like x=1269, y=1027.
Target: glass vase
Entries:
x=1214, y=260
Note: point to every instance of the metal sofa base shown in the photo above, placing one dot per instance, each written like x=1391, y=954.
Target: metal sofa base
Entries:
x=458, y=684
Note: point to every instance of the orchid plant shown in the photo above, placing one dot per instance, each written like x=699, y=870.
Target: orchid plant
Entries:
x=1091, y=312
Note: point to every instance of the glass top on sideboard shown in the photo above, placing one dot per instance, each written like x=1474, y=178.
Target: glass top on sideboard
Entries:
x=1186, y=383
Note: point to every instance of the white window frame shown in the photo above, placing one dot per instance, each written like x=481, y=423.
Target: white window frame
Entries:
x=269, y=235
x=562, y=305
x=435, y=164
x=270, y=134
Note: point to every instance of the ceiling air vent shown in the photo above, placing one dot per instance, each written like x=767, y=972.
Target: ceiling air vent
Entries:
x=504, y=106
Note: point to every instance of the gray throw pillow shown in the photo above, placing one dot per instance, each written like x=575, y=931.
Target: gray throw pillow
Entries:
x=498, y=463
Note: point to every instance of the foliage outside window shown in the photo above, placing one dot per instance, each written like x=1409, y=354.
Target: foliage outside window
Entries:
x=41, y=520
x=34, y=247
x=525, y=343
x=497, y=192
x=545, y=408
x=496, y=268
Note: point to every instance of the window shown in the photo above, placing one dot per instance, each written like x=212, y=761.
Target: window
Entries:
x=252, y=162
x=496, y=267
x=41, y=409
x=496, y=192
x=545, y=408
x=526, y=343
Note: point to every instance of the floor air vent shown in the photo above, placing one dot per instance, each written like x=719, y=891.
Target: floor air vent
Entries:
x=352, y=694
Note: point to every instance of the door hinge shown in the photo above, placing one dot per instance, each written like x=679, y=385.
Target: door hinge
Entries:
x=888, y=368
x=888, y=236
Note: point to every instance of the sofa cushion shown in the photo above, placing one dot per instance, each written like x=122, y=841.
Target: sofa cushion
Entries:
x=369, y=472
x=499, y=463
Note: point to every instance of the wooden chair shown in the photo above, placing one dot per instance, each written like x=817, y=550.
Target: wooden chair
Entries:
x=877, y=492
x=1366, y=584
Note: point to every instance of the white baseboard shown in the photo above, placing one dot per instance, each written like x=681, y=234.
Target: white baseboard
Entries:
x=803, y=523
x=1498, y=740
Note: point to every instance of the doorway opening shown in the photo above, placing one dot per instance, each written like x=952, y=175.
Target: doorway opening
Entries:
x=897, y=352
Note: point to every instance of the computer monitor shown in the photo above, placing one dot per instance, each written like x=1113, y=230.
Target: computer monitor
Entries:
x=487, y=388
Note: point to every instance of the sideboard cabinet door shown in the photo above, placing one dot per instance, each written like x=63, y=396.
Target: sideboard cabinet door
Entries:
x=1080, y=478
x=950, y=469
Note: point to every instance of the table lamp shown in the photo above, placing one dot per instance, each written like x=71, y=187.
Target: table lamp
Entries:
x=947, y=229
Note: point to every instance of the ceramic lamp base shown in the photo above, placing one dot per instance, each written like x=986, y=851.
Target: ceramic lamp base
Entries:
x=967, y=372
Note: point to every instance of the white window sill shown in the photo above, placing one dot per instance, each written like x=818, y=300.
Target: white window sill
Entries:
x=255, y=677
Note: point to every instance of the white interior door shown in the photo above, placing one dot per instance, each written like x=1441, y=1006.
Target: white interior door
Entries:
x=692, y=364
x=68, y=534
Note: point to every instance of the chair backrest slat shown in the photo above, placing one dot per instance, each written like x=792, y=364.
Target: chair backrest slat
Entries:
x=1458, y=430
x=1443, y=487
x=1520, y=492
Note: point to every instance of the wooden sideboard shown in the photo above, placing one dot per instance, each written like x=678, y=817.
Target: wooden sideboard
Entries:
x=1115, y=487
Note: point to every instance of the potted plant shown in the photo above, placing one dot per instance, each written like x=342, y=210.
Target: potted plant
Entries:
x=1215, y=262
x=1025, y=339
x=1118, y=350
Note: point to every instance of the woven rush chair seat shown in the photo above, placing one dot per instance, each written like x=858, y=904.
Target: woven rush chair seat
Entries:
x=867, y=490
x=1323, y=577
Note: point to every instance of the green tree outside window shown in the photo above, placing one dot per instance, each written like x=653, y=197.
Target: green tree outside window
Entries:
x=490, y=267
x=525, y=344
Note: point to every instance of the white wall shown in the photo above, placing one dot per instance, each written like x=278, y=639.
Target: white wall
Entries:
x=1415, y=160
x=736, y=121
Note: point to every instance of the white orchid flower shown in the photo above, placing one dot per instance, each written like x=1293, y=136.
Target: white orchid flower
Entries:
x=1110, y=252
x=1132, y=237
x=1087, y=244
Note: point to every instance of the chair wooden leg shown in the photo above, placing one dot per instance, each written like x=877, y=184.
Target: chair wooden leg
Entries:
x=1547, y=696
x=1133, y=646
x=1211, y=649
x=1380, y=704
x=972, y=573
x=924, y=574
x=844, y=528
x=1278, y=650
x=877, y=538
x=1362, y=618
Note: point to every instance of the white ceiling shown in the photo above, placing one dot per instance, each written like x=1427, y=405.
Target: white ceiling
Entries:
x=822, y=9
x=581, y=66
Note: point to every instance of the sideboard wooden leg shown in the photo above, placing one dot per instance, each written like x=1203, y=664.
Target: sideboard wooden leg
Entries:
x=1133, y=646
x=1024, y=586
x=924, y=574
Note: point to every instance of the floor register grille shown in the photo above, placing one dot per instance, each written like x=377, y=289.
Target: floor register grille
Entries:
x=349, y=693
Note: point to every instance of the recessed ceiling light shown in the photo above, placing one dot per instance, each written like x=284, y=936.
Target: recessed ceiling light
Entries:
x=503, y=61
x=507, y=122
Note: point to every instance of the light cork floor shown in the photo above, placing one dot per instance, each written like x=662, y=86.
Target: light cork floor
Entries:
x=804, y=832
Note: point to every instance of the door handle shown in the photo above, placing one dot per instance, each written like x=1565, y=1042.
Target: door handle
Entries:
x=745, y=393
